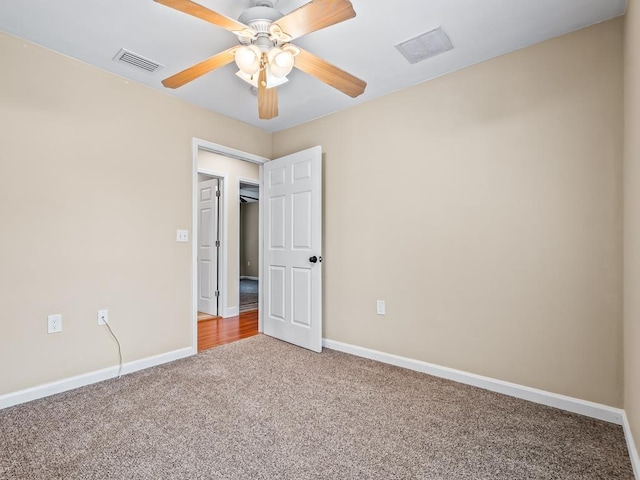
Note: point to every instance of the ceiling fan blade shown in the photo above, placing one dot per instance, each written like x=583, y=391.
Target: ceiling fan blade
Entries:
x=199, y=69
x=329, y=74
x=267, y=98
x=315, y=15
x=197, y=10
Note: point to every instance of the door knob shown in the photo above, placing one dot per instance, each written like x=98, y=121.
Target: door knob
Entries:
x=313, y=259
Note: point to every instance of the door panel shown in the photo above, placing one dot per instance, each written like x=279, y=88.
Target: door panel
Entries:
x=301, y=281
x=302, y=226
x=276, y=223
x=277, y=289
x=293, y=220
x=204, y=286
x=276, y=177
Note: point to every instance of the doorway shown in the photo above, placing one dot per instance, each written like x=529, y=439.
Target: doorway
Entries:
x=291, y=251
x=248, y=244
x=231, y=168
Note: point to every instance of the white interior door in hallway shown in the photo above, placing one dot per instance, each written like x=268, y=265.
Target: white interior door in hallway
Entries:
x=208, y=245
x=292, y=202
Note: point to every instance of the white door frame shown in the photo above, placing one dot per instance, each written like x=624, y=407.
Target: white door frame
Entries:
x=199, y=144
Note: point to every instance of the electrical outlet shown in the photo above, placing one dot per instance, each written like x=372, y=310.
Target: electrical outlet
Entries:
x=103, y=317
x=380, y=307
x=54, y=323
x=248, y=264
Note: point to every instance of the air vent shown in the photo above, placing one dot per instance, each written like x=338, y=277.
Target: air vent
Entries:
x=425, y=46
x=137, y=61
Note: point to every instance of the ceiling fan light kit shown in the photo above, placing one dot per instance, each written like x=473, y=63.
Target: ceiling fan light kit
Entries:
x=248, y=59
x=272, y=80
x=265, y=52
x=281, y=60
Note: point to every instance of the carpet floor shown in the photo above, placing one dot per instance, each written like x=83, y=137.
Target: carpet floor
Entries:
x=264, y=409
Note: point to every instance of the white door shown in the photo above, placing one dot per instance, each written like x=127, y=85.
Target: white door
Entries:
x=208, y=198
x=293, y=248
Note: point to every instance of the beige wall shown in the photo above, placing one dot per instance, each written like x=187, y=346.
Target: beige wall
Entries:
x=95, y=178
x=506, y=263
x=485, y=208
x=249, y=246
x=632, y=219
x=235, y=171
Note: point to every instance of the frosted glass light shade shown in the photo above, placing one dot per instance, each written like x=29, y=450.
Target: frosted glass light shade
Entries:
x=248, y=59
x=280, y=62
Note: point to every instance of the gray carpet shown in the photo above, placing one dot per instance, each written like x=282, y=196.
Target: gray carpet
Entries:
x=263, y=409
x=248, y=295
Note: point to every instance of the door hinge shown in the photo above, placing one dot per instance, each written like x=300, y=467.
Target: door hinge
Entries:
x=217, y=193
x=217, y=294
x=217, y=243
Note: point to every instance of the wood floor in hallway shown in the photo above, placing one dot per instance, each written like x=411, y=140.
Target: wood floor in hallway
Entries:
x=216, y=331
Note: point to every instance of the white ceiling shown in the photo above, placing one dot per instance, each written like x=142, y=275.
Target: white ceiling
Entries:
x=93, y=31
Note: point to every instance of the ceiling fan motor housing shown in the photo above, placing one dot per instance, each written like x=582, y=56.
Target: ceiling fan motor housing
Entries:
x=260, y=18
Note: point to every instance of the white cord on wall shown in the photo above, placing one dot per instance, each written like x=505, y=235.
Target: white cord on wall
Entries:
x=106, y=322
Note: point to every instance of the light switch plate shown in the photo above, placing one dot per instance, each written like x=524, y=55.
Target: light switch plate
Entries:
x=380, y=307
x=182, y=236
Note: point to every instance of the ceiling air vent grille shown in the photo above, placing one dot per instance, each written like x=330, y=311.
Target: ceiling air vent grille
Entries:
x=137, y=61
x=425, y=46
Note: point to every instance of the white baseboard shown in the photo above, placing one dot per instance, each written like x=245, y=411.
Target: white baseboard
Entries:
x=44, y=390
x=231, y=312
x=631, y=445
x=245, y=277
x=575, y=405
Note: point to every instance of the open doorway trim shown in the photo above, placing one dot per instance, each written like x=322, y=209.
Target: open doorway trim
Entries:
x=199, y=144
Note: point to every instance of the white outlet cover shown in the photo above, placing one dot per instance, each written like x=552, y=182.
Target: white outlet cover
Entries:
x=381, y=307
x=103, y=317
x=54, y=323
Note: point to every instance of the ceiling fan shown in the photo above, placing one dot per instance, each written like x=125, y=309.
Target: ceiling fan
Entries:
x=265, y=55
